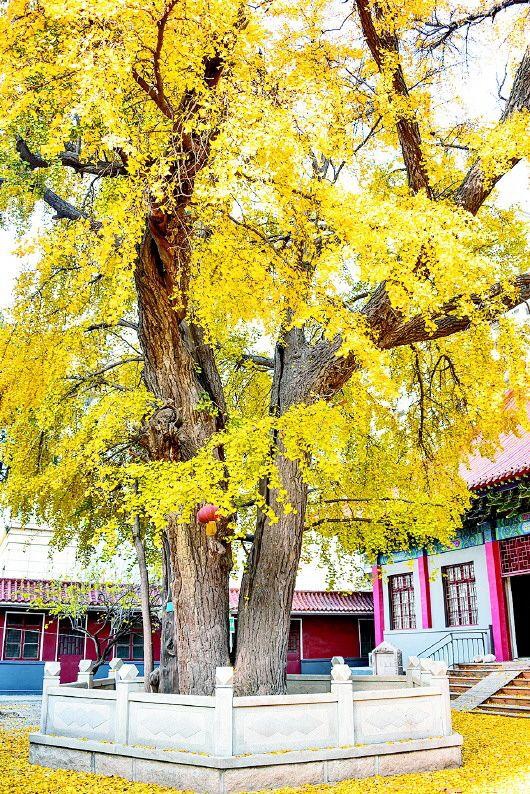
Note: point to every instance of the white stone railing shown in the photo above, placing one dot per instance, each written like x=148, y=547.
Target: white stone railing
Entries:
x=118, y=710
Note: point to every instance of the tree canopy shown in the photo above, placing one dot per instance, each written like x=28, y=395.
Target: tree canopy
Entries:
x=263, y=246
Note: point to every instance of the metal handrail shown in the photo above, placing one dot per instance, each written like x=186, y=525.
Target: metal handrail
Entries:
x=454, y=647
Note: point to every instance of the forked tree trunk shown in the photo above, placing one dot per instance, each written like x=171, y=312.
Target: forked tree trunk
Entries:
x=267, y=591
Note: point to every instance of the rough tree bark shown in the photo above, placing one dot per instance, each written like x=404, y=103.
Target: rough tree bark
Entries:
x=179, y=369
x=267, y=590
x=268, y=584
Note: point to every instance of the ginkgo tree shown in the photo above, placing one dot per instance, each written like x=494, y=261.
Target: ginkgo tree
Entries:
x=265, y=270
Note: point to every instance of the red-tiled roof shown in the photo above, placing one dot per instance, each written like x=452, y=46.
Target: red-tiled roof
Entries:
x=323, y=601
x=512, y=461
x=22, y=591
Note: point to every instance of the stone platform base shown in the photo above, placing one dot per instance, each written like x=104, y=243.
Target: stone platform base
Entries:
x=215, y=775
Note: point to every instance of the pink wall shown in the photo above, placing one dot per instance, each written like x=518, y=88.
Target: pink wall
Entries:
x=379, y=609
x=499, y=609
x=425, y=591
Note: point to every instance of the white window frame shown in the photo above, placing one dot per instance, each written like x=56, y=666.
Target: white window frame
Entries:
x=41, y=639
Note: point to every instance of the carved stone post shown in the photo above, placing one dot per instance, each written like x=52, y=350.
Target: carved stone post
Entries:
x=126, y=681
x=86, y=673
x=52, y=673
x=439, y=680
x=224, y=696
x=387, y=660
x=342, y=688
x=426, y=671
x=413, y=671
x=114, y=666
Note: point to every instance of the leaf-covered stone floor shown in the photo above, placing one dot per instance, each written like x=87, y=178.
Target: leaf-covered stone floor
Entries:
x=496, y=761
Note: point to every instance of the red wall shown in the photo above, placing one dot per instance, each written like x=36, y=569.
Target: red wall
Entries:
x=49, y=640
x=156, y=646
x=325, y=636
x=93, y=626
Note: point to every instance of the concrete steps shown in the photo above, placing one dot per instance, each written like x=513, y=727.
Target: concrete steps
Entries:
x=512, y=700
x=463, y=676
x=504, y=710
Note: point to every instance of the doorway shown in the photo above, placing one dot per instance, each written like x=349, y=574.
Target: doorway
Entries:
x=366, y=637
x=70, y=651
x=520, y=589
x=294, y=655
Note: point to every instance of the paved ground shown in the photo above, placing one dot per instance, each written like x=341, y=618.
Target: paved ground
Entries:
x=19, y=712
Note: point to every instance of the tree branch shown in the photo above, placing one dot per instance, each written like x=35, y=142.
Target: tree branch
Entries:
x=156, y=92
x=436, y=33
x=476, y=187
x=260, y=361
x=71, y=159
x=80, y=379
x=381, y=43
x=108, y=326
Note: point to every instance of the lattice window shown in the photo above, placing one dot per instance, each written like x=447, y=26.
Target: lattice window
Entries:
x=460, y=594
x=70, y=645
x=515, y=556
x=401, y=592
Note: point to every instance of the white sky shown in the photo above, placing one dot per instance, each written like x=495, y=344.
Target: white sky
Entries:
x=477, y=82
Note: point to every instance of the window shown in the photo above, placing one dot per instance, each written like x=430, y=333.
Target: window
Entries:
x=22, y=637
x=460, y=594
x=70, y=645
x=401, y=592
x=131, y=647
x=293, y=642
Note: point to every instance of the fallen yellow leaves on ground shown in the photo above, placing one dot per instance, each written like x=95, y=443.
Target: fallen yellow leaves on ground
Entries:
x=496, y=761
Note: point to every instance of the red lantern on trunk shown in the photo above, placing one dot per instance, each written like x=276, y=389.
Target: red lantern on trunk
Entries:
x=207, y=513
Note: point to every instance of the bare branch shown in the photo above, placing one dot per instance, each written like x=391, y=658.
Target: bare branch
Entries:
x=436, y=33
x=260, y=361
x=71, y=159
x=97, y=377
x=345, y=520
x=108, y=326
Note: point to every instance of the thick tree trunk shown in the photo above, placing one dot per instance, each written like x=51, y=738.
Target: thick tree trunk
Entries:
x=179, y=370
x=267, y=591
x=145, y=598
x=268, y=585
x=201, y=568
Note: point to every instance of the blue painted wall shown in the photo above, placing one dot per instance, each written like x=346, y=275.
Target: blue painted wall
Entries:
x=323, y=666
x=21, y=678
x=25, y=678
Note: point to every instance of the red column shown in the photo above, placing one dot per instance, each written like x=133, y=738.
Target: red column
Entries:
x=499, y=610
x=425, y=591
x=379, y=608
